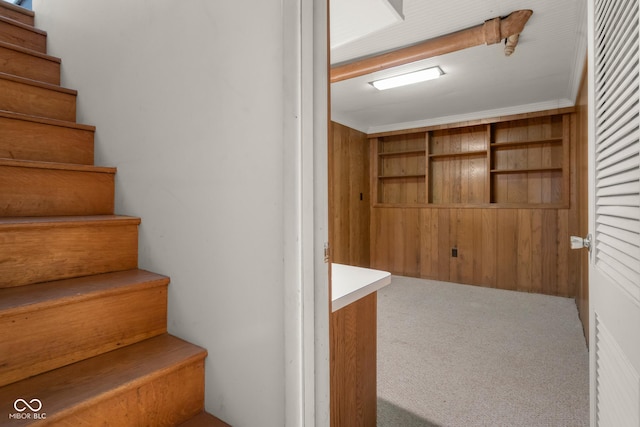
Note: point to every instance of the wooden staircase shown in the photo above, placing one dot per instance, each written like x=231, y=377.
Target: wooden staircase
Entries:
x=83, y=335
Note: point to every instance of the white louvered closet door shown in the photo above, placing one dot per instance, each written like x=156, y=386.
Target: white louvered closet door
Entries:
x=614, y=212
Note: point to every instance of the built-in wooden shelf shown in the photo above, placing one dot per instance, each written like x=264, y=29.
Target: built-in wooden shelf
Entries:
x=519, y=162
x=526, y=170
x=403, y=153
x=509, y=144
x=459, y=154
x=420, y=175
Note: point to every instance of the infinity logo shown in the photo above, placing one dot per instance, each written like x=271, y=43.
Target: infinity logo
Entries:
x=21, y=405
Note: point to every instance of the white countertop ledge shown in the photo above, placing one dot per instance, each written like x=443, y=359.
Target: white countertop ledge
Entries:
x=349, y=283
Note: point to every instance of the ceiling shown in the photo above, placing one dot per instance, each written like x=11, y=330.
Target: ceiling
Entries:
x=543, y=73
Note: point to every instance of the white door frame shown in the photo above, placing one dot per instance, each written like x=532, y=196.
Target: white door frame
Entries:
x=305, y=181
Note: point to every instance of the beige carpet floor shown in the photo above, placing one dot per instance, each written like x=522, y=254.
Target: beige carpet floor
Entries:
x=454, y=355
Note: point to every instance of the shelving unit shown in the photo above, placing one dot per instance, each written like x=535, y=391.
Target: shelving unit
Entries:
x=467, y=153
x=520, y=162
x=401, y=169
x=528, y=161
x=457, y=165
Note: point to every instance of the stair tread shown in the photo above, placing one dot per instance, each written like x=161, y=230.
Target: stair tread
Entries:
x=56, y=166
x=60, y=292
x=30, y=51
x=64, y=221
x=18, y=9
x=44, y=120
x=104, y=376
x=204, y=419
x=17, y=13
x=43, y=85
x=21, y=25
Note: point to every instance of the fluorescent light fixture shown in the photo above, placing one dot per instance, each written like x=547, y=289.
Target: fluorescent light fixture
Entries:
x=408, y=79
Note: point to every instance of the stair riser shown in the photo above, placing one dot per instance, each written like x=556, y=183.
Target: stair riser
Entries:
x=25, y=140
x=162, y=401
x=29, y=66
x=45, y=192
x=32, y=255
x=7, y=12
x=47, y=338
x=205, y=420
x=37, y=101
x=23, y=37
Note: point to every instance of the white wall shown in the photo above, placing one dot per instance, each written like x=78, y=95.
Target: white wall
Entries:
x=187, y=100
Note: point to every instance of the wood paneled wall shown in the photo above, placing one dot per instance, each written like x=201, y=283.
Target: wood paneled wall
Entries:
x=349, y=196
x=352, y=329
x=459, y=179
x=523, y=248
x=517, y=249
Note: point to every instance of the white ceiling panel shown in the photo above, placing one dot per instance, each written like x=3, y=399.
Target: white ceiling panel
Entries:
x=354, y=19
x=544, y=72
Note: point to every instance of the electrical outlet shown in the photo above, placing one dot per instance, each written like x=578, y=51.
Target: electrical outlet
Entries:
x=454, y=252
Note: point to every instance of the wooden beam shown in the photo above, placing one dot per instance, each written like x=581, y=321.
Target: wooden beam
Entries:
x=489, y=32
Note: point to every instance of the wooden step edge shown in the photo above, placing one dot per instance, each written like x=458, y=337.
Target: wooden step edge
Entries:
x=162, y=355
x=24, y=299
x=43, y=120
x=36, y=83
x=15, y=8
x=30, y=51
x=17, y=13
x=12, y=223
x=204, y=419
x=71, y=167
x=24, y=26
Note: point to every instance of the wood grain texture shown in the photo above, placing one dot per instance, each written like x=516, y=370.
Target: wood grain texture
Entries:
x=26, y=96
x=204, y=419
x=429, y=254
x=507, y=254
x=529, y=161
x=350, y=196
x=445, y=241
x=395, y=240
x=521, y=162
x=486, y=121
x=29, y=64
x=517, y=244
x=82, y=329
x=488, y=247
x=489, y=32
x=159, y=382
x=34, y=250
x=38, y=139
x=463, y=266
x=17, y=13
x=353, y=364
x=46, y=189
x=401, y=168
x=23, y=35
x=514, y=249
x=54, y=324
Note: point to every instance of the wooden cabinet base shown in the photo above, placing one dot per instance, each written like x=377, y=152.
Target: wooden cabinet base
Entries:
x=353, y=364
